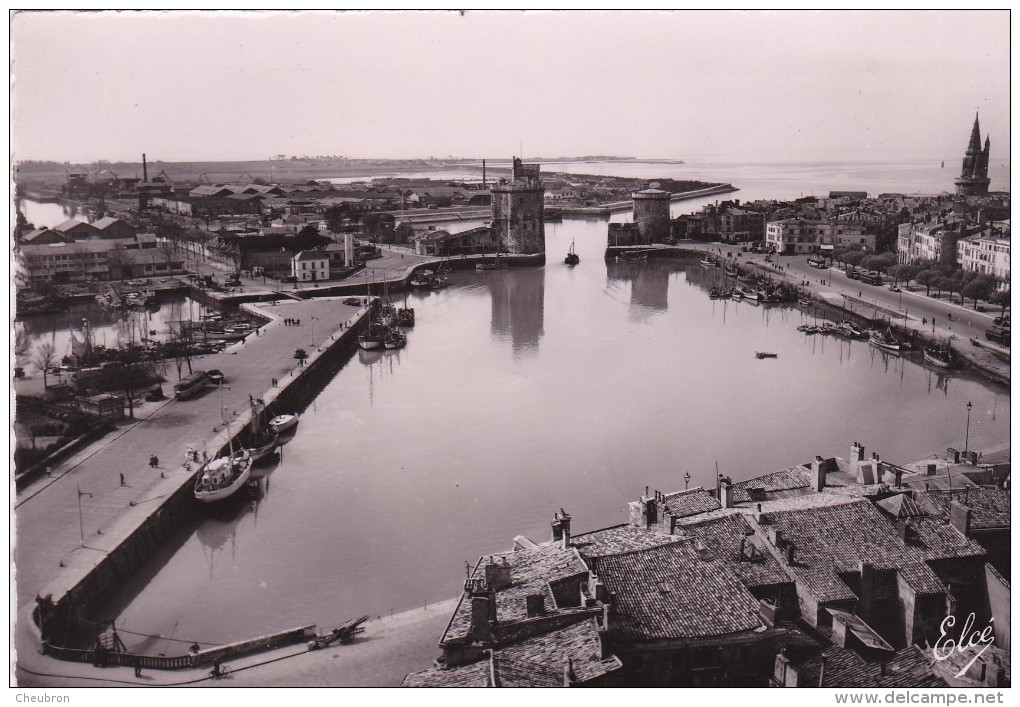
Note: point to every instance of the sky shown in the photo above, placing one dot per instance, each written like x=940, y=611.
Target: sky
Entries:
x=749, y=86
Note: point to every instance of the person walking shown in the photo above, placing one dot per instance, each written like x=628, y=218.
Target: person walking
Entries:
x=138, y=667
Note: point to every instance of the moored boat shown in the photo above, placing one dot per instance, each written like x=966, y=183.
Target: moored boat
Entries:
x=886, y=340
x=405, y=317
x=633, y=256
x=708, y=262
x=223, y=477
x=422, y=279
x=373, y=336
x=282, y=423
x=765, y=354
x=941, y=356
x=395, y=340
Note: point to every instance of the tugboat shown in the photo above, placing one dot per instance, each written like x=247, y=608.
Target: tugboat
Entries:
x=572, y=257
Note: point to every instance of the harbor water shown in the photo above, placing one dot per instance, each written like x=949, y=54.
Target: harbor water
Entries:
x=526, y=390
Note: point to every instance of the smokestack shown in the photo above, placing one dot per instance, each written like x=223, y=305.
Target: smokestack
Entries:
x=145, y=169
x=483, y=174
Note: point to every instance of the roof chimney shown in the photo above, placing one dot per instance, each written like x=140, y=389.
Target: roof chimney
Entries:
x=725, y=492
x=856, y=452
x=569, y=677
x=817, y=474
x=960, y=517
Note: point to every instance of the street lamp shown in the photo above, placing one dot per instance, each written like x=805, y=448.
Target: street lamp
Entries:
x=312, y=342
x=966, y=442
x=81, y=524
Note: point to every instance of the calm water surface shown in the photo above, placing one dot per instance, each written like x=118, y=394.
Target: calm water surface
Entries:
x=526, y=390
x=519, y=392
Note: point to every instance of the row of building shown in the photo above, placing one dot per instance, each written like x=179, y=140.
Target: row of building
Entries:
x=954, y=242
x=837, y=572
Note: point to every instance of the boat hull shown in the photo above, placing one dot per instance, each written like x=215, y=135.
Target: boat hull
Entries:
x=282, y=423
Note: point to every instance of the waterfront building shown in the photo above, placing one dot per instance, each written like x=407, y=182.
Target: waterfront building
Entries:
x=985, y=252
x=93, y=259
x=45, y=236
x=748, y=584
x=801, y=235
x=77, y=230
x=439, y=242
x=310, y=266
x=930, y=241
x=973, y=179
x=518, y=210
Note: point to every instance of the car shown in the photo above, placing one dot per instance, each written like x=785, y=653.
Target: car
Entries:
x=353, y=301
x=215, y=376
x=894, y=288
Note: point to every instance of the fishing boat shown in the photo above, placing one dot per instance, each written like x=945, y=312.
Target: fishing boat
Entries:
x=223, y=477
x=737, y=294
x=849, y=331
x=405, y=317
x=395, y=340
x=262, y=438
x=808, y=329
x=373, y=336
x=633, y=256
x=731, y=270
x=282, y=423
x=886, y=340
x=941, y=355
x=422, y=279
x=441, y=281
x=572, y=257
x=765, y=354
x=715, y=293
x=708, y=262
x=388, y=315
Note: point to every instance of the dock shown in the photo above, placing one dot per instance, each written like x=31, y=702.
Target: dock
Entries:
x=81, y=530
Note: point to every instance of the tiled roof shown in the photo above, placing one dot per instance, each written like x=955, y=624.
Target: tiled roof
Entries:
x=534, y=662
x=832, y=540
x=620, y=538
x=722, y=536
x=669, y=592
x=846, y=668
x=531, y=572
x=690, y=502
x=793, y=478
x=473, y=675
x=934, y=539
x=990, y=506
x=72, y=223
x=311, y=255
x=903, y=506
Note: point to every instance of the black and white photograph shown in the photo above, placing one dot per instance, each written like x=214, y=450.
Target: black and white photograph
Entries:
x=481, y=348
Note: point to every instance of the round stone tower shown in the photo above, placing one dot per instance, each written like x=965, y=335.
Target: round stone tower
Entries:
x=518, y=210
x=651, y=214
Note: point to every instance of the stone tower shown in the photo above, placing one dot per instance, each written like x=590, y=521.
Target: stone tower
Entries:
x=518, y=207
x=651, y=214
x=973, y=179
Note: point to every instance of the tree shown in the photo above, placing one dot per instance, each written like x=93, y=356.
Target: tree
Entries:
x=22, y=341
x=1001, y=298
x=45, y=356
x=906, y=273
x=980, y=287
x=927, y=279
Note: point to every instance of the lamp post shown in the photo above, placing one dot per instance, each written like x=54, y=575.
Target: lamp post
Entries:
x=966, y=442
x=312, y=342
x=81, y=524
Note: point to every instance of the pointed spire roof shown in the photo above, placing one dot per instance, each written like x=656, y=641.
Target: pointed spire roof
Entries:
x=975, y=135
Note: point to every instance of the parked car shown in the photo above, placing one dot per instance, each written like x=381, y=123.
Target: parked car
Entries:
x=894, y=288
x=215, y=376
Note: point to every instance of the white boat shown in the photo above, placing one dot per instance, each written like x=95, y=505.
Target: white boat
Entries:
x=282, y=423
x=374, y=336
x=223, y=477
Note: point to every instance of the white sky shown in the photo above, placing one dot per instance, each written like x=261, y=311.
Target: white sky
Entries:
x=750, y=86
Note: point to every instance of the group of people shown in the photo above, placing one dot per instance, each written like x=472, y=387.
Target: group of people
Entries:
x=292, y=322
x=153, y=461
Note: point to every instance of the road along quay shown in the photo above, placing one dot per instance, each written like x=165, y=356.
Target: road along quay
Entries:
x=94, y=520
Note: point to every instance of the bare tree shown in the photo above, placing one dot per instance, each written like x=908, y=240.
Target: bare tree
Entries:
x=22, y=342
x=44, y=356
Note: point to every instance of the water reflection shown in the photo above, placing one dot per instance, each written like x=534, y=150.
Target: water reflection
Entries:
x=518, y=306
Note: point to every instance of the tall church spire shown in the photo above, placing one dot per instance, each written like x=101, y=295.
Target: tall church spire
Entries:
x=975, y=136
x=973, y=179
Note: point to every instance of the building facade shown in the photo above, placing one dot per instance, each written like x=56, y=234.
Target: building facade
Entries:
x=798, y=235
x=986, y=252
x=310, y=266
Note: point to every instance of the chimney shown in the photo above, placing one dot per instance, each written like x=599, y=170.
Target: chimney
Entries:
x=856, y=452
x=867, y=571
x=480, y=619
x=565, y=527
x=790, y=549
x=840, y=636
x=960, y=517
x=821, y=672
x=145, y=169
x=536, y=604
x=817, y=474
x=776, y=537
x=703, y=552
x=899, y=477
x=903, y=530
x=726, y=493
x=497, y=575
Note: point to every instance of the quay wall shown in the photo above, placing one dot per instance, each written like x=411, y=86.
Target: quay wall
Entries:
x=88, y=578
